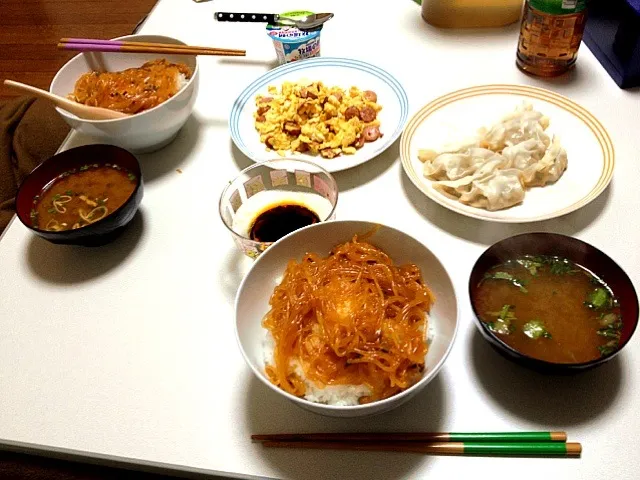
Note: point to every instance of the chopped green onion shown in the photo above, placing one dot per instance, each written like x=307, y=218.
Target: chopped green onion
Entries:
x=562, y=267
x=607, y=319
x=608, y=333
x=505, y=276
x=535, y=329
x=502, y=324
x=611, y=330
x=531, y=265
x=599, y=298
x=608, y=348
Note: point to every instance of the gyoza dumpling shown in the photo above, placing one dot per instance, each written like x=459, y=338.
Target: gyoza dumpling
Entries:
x=549, y=168
x=453, y=166
x=455, y=187
x=524, y=154
x=498, y=190
x=497, y=162
x=492, y=170
x=522, y=124
x=465, y=184
x=427, y=155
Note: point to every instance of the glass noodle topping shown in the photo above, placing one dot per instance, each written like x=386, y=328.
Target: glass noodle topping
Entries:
x=78, y=198
x=351, y=318
x=132, y=90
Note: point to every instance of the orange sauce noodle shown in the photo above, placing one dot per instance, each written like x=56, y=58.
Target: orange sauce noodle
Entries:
x=351, y=318
x=132, y=90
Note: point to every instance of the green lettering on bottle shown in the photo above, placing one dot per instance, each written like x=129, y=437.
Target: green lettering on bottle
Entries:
x=558, y=7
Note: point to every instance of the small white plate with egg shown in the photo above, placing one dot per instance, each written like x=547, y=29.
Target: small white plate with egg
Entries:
x=332, y=72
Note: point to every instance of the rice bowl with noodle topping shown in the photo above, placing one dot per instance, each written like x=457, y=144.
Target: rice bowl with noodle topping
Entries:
x=143, y=132
x=343, y=400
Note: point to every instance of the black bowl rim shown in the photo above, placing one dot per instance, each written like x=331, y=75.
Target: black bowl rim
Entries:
x=88, y=228
x=543, y=364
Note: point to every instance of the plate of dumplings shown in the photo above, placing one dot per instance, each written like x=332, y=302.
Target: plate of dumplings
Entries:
x=507, y=153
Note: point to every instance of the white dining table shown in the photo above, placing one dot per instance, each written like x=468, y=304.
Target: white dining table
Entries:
x=126, y=353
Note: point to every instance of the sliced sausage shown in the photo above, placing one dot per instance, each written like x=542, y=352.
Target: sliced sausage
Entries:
x=303, y=147
x=367, y=114
x=265, y=99
x=371, y=133
x=306, y=93
x=260, y=118
x=292, y=128
x=264, y=109
x=269, y=142
x=351, y=112
x=370, y=96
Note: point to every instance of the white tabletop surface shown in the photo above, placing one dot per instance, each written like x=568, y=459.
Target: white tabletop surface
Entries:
x=127, y=351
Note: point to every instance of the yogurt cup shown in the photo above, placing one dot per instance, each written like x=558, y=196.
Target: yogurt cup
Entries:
x=293, y=44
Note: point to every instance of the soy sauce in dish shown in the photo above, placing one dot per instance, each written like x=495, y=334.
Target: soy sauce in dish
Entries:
x=280, y=220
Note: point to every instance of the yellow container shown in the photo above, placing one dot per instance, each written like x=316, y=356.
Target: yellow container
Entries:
x=471, y=13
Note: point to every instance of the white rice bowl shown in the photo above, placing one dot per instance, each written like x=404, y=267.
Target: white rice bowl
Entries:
x=143, y=132
x=252, y=303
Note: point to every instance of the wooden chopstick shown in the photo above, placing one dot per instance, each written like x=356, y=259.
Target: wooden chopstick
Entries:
x=390, y=437
x=95, y=41
x=86, y=45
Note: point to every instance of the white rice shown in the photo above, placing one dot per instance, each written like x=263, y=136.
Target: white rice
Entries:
x=338, y=395
x=182, y=81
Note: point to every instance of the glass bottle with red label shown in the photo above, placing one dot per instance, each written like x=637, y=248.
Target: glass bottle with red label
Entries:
x=550, y=36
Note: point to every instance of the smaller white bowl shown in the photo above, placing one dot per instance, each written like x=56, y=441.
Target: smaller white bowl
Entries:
x=252, y=302
x=143, y=132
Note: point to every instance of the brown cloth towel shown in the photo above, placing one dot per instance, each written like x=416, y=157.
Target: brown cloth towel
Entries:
x=30, y=132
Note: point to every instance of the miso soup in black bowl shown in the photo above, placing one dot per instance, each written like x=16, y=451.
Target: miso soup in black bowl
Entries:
x=83, y=196
x=552, y=303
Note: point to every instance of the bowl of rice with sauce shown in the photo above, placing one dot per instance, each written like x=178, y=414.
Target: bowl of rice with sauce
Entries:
x=346, y=318
x=157, y=91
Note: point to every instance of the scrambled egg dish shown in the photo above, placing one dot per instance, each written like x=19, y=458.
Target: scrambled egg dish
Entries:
x=311, y=117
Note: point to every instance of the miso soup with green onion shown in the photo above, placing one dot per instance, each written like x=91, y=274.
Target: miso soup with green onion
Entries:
x=549, y=308
x=80, y=197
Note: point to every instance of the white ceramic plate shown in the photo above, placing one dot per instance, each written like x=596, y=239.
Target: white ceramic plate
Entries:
x=252, y=301
x=459, y=114
x=340, y=72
